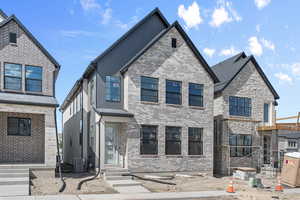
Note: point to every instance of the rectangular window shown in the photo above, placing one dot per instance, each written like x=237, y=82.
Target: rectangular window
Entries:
x=149, y=89
x=240, y=106
x=173, y=92
x=292, y=144
x=148, y=140
x=18, y=126
x=266, y=112
x=92, y=92
x=195, y=141
x=12, y=76
x=33, y=82
x=240, y=145
x=113, y=89
x=173, y=140
x=195, y=94
x=12, y=38
x=174, y=42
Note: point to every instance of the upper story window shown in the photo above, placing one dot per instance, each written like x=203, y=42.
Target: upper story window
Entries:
x=174, y=42
x=240, y=145
x=148, y=140
x=266, y=112
x=18, y=126
x=12, y=38
x=113, y=88
x=195, y=94
x=34, y=77
x=173, y=140
x=292, y=144
x=195, y=141
x=173, y=92
x=240, y=106
x=92, y=92
x=149, y=89
x=12, y=76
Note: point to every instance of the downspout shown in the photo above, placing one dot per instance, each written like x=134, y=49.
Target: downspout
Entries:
x=99, y=169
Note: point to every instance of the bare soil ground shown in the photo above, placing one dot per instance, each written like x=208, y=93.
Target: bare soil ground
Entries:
x=44, y=183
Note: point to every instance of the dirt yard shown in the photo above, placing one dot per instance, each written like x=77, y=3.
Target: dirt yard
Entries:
x=44, y=183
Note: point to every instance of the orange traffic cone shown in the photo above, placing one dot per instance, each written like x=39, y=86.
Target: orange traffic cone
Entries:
x=230, y=188
x=279, y=187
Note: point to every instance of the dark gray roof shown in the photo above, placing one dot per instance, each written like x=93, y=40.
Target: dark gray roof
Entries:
x=293, y=135
x=113, y=112
x=26, y=99
x=228, y=69
x=35, y=41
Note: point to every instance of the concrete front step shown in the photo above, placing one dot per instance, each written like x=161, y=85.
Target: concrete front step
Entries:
x=14, y=181
x=123, y=183
x=112, y=178
x=14, y=175
x=14, y=170
x=14, y=190
x=131, y=189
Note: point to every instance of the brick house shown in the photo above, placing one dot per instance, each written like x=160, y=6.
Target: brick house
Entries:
x=27, y=97
x=145, y=104
x=244, y=101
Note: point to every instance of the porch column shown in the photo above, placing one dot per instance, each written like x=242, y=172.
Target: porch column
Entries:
x=102, y=143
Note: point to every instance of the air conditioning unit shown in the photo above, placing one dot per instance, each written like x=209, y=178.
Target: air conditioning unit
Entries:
x=79, y=165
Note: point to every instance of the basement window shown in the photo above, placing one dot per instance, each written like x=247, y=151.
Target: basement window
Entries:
x=12, y=38
x=174, y=42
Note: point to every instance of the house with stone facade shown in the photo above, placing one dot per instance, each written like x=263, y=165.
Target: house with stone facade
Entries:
x=27, y=97
x=244, y=101
x=145, y=104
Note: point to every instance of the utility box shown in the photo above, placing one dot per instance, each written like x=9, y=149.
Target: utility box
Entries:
x=290, y=174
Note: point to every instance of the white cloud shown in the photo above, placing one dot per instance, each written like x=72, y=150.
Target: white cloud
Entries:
x=260, y=4
x=209, y=52
x=283, y=78
x=76, y=33
x=296, y=69
x=89, y=4
x=106, y=16
x=191, y=15
x=224, y=13
x=257, y=27
x=268, y=44
x=254, y=46
x=133, y=20
x=229, y=52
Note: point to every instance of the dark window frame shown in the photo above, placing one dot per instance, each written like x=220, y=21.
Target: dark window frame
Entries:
x=240, y=106
x=19, y=119
x=191, y=95
x=174, y=43
x=14, y=77
x=109, y=98
x=12, y=37
x=144, y=140
x=266, y=112
x=195, y=141
x=168, y=93
x=172, y=141
x=240, y=150
x=33, y=79
x=143, y=89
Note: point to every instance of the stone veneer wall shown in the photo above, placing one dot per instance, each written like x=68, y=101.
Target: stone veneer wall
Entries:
x=247, y=84
x=43, y=132
x=164, y=62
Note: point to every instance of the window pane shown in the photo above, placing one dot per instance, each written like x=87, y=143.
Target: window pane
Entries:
x=149, y=89
x=33, y=85
x=173, y=86
x=12, y=126
x=266, y=112
x=14, y=70
x=18, y=126
x=112, y=88
x=33, y=72
x=240, y=145
x=195, y=141
x=12, y=37
x=195, y=94
x=240, y=106
x=148, y=140
x=24, y=127
x=12, y=83
x=173, y=92
x=173, y=140
x=149, y=83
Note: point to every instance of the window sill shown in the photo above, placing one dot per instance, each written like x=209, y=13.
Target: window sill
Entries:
x=150, y=103
x=174, y=156
x=13, y=44
x=175, y=105
x=196, y=156
x=34, y=93
x=197, y=107
x=149, y=156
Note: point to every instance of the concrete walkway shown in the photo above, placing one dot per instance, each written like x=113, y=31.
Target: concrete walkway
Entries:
x=136, y=196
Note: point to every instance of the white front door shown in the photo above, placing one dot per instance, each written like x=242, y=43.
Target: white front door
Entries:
x=112, y=143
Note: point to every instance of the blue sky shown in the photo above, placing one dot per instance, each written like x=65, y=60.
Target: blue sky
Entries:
x=76, y=31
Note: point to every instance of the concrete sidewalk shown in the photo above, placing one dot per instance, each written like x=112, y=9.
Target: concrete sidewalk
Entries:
x=138, y=196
